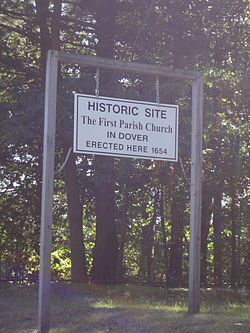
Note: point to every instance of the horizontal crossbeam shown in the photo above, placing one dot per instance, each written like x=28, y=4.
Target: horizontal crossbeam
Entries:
x=127, y=66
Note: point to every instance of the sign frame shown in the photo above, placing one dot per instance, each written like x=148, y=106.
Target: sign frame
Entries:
x=53, y=58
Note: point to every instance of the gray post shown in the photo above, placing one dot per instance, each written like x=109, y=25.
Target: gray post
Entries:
x=47, y=191
x=195, y=206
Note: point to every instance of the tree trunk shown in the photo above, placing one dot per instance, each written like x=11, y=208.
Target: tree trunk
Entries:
x=42, y=9
x=106, y=245
x=124, y=228
x=205, y=224
x=55, y=26
x=235, y=175
x=105, y=26
x=143, y=254
x=150, y=241
x=177, y=234
x=78, y=262
x=246, y=261
x=234, y=263
x=217, y=225
x=176, y=244
x=163, y=231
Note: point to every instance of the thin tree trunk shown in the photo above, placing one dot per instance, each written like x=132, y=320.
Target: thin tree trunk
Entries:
x=163, y=231
x=150, y=241
x=234, y=266
x=176, y=244
x=177, y=234
x=236, y=167
x=246, y=262
x=217, y=225
x=143, y=255
x=205, y=224
x=124, y=228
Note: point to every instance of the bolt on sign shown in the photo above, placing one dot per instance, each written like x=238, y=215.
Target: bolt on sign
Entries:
x=125, y=128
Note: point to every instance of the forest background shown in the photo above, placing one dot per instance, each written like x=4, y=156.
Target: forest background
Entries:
x=125, y=220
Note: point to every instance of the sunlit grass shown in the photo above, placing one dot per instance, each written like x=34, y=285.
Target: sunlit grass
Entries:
x=142, y=304
x=121, y=309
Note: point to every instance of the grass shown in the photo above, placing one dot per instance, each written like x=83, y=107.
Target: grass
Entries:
x=121, y=309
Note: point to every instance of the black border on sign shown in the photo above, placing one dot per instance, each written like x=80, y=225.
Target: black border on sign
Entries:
x=92, y=152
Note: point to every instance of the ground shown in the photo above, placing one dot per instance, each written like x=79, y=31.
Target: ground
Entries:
x=120, y=309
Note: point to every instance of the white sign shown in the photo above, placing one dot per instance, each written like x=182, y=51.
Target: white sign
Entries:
x=125, y=128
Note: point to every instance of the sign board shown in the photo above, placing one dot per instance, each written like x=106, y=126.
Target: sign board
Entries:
x=125, y=128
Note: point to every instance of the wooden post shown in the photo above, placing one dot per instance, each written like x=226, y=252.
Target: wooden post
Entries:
x=195, y=210
x=47, y=191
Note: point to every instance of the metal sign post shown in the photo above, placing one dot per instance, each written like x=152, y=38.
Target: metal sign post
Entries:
x=47, y=191
x=48, y=168
x=195, y=198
